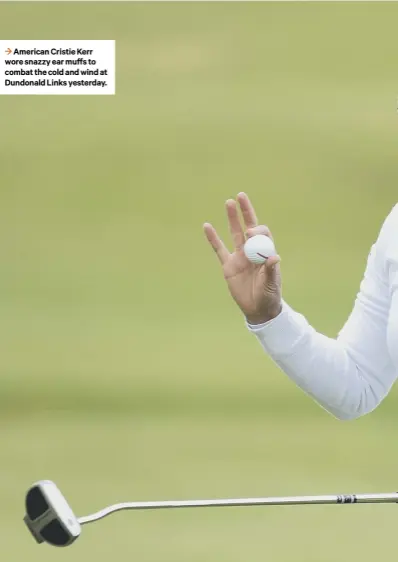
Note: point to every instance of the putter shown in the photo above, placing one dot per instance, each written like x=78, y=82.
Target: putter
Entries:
x=50, y=519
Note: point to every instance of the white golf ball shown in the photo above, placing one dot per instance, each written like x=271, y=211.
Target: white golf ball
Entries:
x=259, y=248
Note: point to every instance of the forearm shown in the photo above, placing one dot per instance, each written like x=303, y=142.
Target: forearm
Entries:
x=327, y=369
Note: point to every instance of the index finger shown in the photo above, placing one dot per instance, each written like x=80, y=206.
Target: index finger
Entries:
x=248, y=212
x=216, y=243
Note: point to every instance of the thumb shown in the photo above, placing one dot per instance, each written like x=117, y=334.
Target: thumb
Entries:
x=271, y=270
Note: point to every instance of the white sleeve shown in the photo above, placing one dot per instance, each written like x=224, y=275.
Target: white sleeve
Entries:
x=350, y=375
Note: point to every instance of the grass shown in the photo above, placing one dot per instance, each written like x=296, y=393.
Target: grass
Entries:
x=126, y=372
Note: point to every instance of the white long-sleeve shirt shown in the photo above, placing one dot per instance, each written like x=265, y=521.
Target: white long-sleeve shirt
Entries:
x=350, y=375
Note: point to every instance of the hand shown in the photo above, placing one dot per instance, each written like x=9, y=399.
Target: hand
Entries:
x=255, y=288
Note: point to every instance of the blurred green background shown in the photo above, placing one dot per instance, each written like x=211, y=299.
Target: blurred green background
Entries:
x=126, y=372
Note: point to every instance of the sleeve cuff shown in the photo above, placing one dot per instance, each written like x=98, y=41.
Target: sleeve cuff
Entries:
x=280, y=336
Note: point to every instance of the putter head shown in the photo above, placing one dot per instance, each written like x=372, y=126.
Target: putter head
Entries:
x=48, y=515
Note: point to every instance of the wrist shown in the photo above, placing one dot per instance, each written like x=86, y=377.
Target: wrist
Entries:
x=263, y=317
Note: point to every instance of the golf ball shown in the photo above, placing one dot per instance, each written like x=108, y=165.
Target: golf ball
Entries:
x=259, y=248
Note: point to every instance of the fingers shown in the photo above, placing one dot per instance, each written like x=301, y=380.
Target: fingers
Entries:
x=261, y=229
x=235, y=227
x=216, y=243
x=248, y=212
x=234, y=224
x=250, y=218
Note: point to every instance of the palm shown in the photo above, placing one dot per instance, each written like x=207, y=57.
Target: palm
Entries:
x=245, y=280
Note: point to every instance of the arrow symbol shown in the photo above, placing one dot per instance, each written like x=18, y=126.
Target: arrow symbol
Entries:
x=8, y=51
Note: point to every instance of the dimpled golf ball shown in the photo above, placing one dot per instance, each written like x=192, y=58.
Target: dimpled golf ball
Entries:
x=259, y=248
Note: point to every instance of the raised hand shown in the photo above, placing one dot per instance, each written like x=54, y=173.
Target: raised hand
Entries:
x=255, y=288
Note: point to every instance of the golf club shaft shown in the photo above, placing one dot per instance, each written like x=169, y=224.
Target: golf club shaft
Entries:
x=239, y=502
